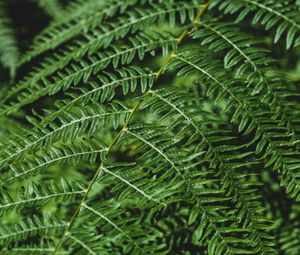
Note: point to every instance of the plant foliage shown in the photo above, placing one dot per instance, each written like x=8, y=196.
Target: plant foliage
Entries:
x=151, y=127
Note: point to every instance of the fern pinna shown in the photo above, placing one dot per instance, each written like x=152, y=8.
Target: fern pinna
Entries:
x=152, y=127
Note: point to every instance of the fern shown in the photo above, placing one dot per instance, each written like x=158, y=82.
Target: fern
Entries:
x=279, y=14
x=153, y=127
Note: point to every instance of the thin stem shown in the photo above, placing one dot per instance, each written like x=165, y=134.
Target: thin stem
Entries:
x=120, y=133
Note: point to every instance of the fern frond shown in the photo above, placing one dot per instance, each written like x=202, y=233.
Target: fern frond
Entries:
x=135, y=20
x=251, y=118
x=82, y=151
x=142, y=18
x=83, y=70
x=231, y=172
x=153, y=127
x=82, y=244
x=84, y=241
x=30, y=227
x=125, y=181
x=281, y=15
x=196, y=188
x=252, y=64
x=36, y=194
x=243, y=51
x=128, y=80
x=69, y=125
x=89, y=13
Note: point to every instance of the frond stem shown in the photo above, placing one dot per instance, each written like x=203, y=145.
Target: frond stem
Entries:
x=120, y=133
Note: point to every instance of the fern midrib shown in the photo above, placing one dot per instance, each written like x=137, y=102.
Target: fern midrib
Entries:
x=111, y=223
x=30, y=250
x=37, y=228
x=39, y=198
x=154, y=147
x=99, y=170
x=82, y=244
x=230, y=42
x=269, y=9
x=148, y=197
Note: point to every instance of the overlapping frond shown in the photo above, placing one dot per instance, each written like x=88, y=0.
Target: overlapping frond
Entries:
x=134, y=20
x=67, y=127
x=242, y=51
x=252, y=64
x=82, y=70
x=177, y=105
x=153, y=127
x=34, y=226
x=128, y=79
x=68, y=154
x=204, y=192
x=280, y=15
x=90, y=13
x=253, y=115
x=36, y=194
